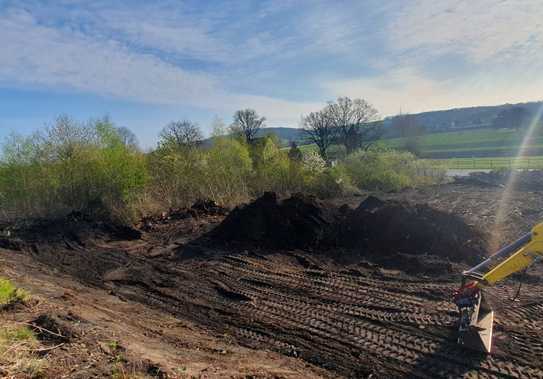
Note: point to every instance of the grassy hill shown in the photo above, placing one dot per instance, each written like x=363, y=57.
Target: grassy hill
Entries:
x=452, y=133
x=484, y=142
x=464, y=118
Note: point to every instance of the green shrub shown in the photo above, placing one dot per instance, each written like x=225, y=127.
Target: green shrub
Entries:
x=332, y=182
x=9, y=293
x=228, y=167
x=182, y=175
x=387, y=170
x=71, y=167
x=91, y=168
x=275, y=171
x=176, y=175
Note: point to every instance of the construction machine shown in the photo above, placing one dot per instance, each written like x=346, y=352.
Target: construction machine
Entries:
x=476, y=314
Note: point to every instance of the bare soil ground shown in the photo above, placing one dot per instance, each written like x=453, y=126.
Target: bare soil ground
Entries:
x=179, y=299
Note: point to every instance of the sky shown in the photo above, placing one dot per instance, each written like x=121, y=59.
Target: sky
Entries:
x=146, y=63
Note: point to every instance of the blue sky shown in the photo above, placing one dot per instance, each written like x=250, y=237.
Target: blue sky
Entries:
x=145, y=63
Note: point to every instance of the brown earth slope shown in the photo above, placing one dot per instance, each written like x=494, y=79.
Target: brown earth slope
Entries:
x=176, y=299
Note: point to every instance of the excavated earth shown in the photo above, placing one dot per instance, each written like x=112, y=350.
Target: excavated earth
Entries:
x=356, y=290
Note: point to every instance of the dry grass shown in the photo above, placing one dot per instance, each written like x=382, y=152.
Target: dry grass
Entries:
x=17, y=353
x=18, y=344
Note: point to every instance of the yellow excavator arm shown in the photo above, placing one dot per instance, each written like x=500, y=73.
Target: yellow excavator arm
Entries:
x=476, y=315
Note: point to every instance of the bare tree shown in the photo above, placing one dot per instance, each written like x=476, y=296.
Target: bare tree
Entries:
x=179, y=134
x=65, y=136
x=353, y=120
x=320, y=131
x=247, y=123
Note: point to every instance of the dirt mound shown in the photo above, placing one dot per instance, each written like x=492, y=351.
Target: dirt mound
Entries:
x=527, y=180
x=297, y=222
x=376, y=227
x=390, y=227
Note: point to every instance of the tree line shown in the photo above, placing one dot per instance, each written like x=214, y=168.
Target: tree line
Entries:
x=97, y=168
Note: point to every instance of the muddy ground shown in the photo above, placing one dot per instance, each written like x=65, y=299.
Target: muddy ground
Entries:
x=183, y=297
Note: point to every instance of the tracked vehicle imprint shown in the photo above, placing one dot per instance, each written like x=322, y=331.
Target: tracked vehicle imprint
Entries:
x=353, y=319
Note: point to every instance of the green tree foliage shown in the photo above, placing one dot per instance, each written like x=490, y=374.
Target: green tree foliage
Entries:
x=295, y=154
x=228, y=168
x=274, y=171
x=387, y=170
x=70, y=167
x=96, y=169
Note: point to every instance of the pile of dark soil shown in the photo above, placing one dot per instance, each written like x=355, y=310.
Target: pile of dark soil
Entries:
x=76, y=226
x=391, y=227
x=526, y=180
x=376, y=227
x=300, y=221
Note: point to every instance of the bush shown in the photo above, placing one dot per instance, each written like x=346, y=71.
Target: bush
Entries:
x=387, y=170
x=227, y=171
x=275, y=171
x=332, y=182
x=10, y=294
x=71, y=167
x=175, y=176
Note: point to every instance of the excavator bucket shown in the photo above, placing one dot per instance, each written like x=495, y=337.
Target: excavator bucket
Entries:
x=478, y=335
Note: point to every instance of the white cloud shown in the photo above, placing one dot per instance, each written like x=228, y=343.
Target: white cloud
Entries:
x=481, y=30
x=409, y=90
x=37, y=55
x=500, y=41
x=34, y=55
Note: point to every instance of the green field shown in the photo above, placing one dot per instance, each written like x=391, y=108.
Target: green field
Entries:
x=473, y=149
x=471, y=143
x=535, y=162
x=466, y=144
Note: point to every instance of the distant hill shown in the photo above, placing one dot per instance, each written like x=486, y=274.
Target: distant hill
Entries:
x=285, y=135
x=464, y=118
x=449, y=120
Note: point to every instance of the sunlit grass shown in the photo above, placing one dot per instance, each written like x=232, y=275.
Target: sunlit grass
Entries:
x=477, y=141
x=10, y=294
x=12, y=335
x=18, y=344
x=491, y=163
